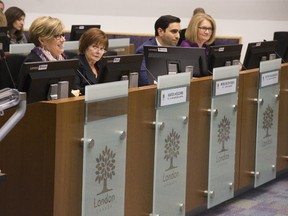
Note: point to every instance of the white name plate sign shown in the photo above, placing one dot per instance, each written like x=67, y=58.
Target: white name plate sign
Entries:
x=269, y=78
x=172, y=96
x=226, y=86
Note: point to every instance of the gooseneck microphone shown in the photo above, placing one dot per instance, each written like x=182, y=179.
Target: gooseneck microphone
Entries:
x=83, y=77
x=149, y=72
x=277, y=54
x=3, y=57
x=242, y=65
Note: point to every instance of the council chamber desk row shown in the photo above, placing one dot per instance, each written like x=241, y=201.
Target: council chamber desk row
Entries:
x=43, y=156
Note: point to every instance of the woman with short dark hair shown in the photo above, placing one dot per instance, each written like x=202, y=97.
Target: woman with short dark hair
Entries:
x=93, y=44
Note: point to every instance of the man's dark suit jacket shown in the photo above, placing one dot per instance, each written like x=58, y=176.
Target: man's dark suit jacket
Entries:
x=143, y=75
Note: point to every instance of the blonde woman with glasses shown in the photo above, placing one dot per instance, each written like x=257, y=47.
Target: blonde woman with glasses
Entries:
x=47, y=35
x=200, y=32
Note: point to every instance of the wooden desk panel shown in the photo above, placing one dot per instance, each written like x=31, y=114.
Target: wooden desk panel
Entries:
x=43, y=161
x=42, y=156
x=198, y=143
x=140, y=151
x=69, y=130
x=27, y=156
x=246, y=140
x=282, y=150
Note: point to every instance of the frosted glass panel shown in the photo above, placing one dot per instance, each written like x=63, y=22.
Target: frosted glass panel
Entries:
x=104, y=157
x=222, y=135
x=267, y=122
x=171, y=137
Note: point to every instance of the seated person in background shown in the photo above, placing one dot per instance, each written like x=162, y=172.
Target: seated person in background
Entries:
x=92, y=46
x=2, y=6
x=167, y=30
x=47, y=35
x=15, y=22
x=200, y=32
x=3, y=21
x=182, y=33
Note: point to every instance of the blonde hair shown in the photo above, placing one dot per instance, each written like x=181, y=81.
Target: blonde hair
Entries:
x=3, y=20
x=191, y=33
x=46, y=27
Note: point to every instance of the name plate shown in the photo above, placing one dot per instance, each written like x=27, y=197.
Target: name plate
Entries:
x=269, y=78
x=226, y=86
x=172, y=96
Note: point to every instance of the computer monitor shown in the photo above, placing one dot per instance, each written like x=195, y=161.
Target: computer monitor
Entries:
x=23, y=48
x=119, y=46
x=70, y=47
x=224, y=55
x=42, y=80
x=163, y=60
x=78, y=30
x=257, y=52
x=4, y=40
x=116, y=68
x=282, y=44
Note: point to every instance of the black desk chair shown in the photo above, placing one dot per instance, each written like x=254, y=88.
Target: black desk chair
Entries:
x=10, y=68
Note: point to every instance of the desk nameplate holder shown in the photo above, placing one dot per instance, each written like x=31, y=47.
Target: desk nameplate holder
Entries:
x=171, y=139
x=223, y=114
x=267, y=122
x=104, y=149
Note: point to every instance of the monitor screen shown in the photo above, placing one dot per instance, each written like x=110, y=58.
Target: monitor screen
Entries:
x=162, y=60
x=37, y=79
x=78, y=30
x=119, y=45
x=116, y=68
x=10, y=67
x=282, y=44
x=23, y=48
x=224, y=55
x=4, y=40
x=257, y=52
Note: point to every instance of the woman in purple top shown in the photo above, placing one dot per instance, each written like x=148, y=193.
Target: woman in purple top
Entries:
x=200, y=32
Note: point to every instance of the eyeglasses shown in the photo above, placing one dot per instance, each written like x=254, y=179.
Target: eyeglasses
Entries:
x=59, y=36
x=98, y=49
x=204, y=29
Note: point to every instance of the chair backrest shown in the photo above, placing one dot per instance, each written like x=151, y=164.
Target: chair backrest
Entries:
x=282, y=44
x=10, y=68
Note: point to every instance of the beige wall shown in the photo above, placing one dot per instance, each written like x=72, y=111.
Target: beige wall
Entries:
x=253, y=20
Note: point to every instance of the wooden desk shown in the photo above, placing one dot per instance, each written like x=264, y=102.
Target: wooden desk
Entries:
x=2, y=176
x=42, y=155
x=282, y=151
x=43, y=161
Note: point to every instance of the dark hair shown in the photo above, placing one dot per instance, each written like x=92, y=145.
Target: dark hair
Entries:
x=198, y=10
x=164, y=21
x=92, y=36
x=12, y=14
